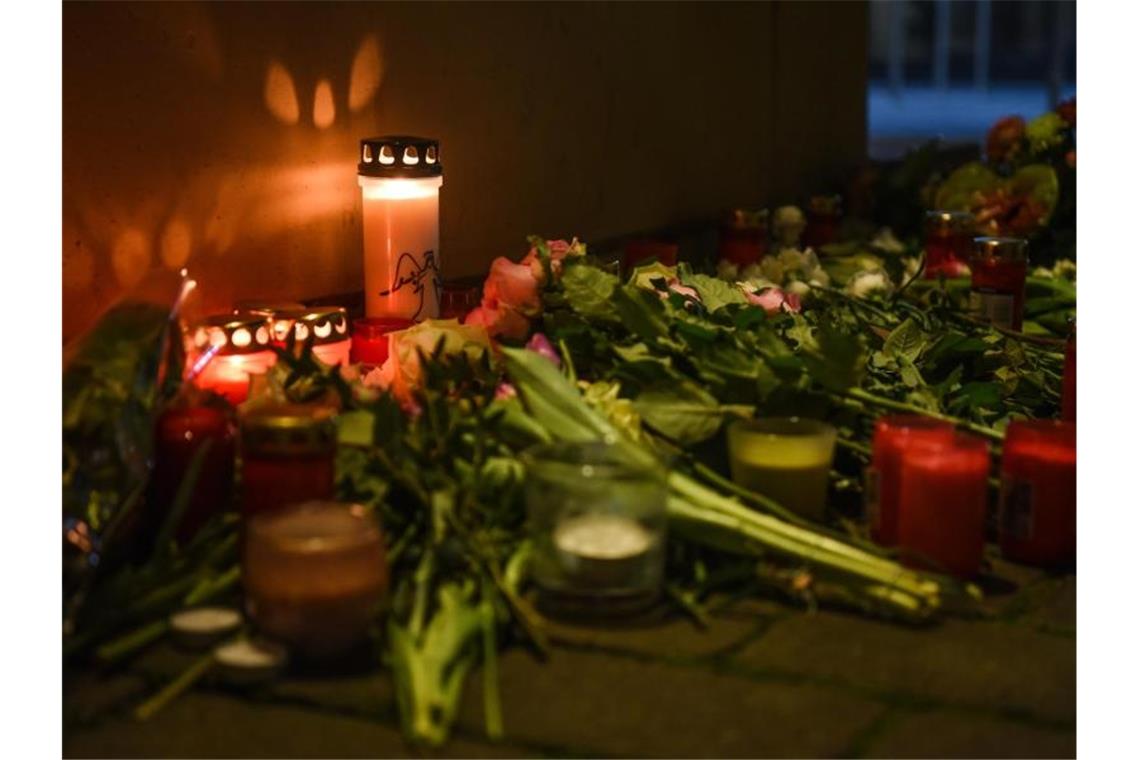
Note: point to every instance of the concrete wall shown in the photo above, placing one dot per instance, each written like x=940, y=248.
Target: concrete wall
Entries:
x=223, y=136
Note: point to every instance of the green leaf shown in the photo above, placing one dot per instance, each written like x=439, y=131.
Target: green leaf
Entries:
x=715, y=293
x=642, y=312
x=687, y=413
x=354, y=428
x=906, y=341
x=589, y=291
x=552, y=399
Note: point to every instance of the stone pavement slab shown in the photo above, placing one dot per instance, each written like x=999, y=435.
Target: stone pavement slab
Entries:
x=948, y=734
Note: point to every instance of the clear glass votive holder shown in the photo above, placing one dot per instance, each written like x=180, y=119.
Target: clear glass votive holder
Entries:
x=597, y=520
x=787, y=459
x=314, y=576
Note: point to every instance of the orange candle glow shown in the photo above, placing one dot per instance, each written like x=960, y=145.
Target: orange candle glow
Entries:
x=226, y=349
x=400, y=179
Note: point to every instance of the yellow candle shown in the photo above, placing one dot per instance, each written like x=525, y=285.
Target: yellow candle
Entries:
x=400, y=179
x=786, y=459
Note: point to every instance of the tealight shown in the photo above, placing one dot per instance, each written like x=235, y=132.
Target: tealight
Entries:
x=225, y=350
x=201, y=626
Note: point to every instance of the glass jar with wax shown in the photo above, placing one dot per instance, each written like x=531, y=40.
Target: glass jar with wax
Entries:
x=997, y=281
x=942, y=503
x=225, y=350
x=1037, y=521
x=597, y=520
x=370, y=339
x=787, y=459
x=824, y=214
x=949, y=240
x=325, y=326
x=314, y=576
x=400, y=179
x=288, y=456
x=744, y=236
x=894, y=434
x=643, y=249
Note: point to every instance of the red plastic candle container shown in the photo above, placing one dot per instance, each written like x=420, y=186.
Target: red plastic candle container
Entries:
x=894, y=434
x=823, y=216
x=181, y=432
x=942, y=503
x=226, y=349
x=997, y=284
x=370, y=339
x=949, y=239
x=1037, y=522
x=744, y=237
x=1069, y=380
x=637, y=251
x=288, y=456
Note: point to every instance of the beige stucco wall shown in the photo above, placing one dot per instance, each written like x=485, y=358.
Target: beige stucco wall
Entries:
x=182, y=148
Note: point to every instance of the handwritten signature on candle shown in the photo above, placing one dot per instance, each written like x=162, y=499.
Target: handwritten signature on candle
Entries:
x=409, y=271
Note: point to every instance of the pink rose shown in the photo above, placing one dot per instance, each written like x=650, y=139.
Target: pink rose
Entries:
x=559, y=249
x=773, y=300
x=541, y=345
x=512, y=285
x=683, y=290
x=499, y=320
x=505, y=391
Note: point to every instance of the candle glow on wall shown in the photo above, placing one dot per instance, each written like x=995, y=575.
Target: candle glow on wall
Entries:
x=400, y=179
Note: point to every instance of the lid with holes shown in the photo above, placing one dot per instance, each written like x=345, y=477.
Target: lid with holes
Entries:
x=399, y=156
x=240, y=333
x=326, y=324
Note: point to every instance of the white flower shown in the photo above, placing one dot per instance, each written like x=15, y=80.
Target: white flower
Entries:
x=799, y=287
x=771, y=269
x=752, y=271
x=1043, y=272
x=788, y=224
x=819, y=277
x=792, y=259
x=910, y=267
x=865, y=283
x=1065, y=269
x=726, y=270
x=886, y=241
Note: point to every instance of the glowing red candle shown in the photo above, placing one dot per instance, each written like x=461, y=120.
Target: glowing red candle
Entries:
x=1069, y=379
x=997, y=282
x=942, y=503
x=744, y=237
x=182, y=431
x=400, y=179
x=637, y=251
x=893, y=435
x=1038, y=515
x=226, y=349
x=288, y=456
x=823, y=216
x=949, y=239
x=370, y=339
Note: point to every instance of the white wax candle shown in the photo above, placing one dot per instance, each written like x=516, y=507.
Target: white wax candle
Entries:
x=602, y=550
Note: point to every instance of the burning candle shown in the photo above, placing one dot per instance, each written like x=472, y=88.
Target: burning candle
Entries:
x=942, y=503
x=226, y=350
x=400, y=179
x=784, y=458
x=181, y=433
x=893, y=435
x=1037, y=521
x=288, y=454
x=997, y=281
x=370, y=339
x=598, y=523
x=949, y=238
x=744, y=236
x=325, y=326
x=314, y=576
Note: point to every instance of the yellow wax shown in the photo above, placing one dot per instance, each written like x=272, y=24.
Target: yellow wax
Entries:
x=791, y=469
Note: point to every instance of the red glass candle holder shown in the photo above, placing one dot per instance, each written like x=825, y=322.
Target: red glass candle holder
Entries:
x=942, y=504
x=226, y=349
x=997, y=283
x=894, y=434
x=823, y=217
x=181, y=432
x=1069, y=379
x=1037, y=522
x=949, y=240
x=370, y=339
x=288, y=456
x=744, y=237
x=637, y=251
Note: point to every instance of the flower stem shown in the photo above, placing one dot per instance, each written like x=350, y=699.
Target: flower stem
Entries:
x=865, y=397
